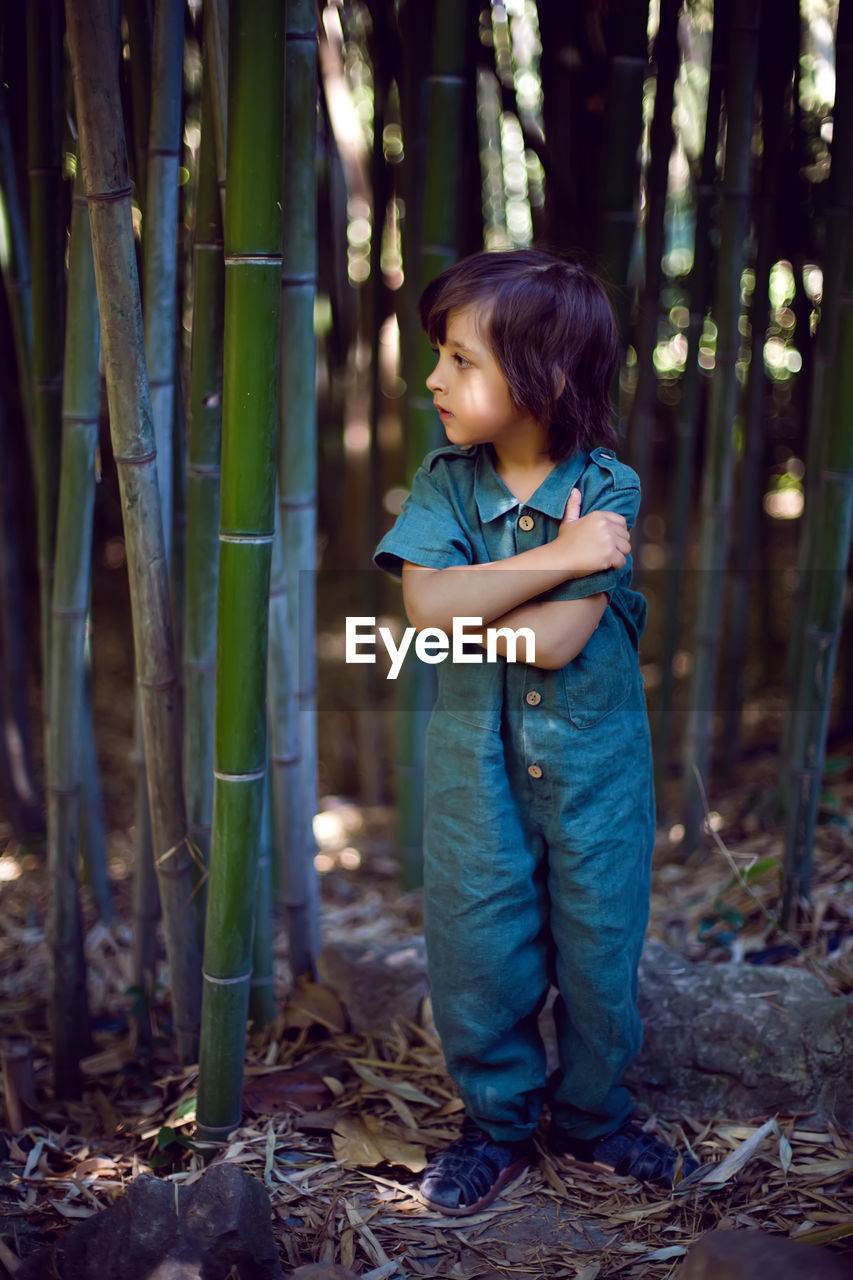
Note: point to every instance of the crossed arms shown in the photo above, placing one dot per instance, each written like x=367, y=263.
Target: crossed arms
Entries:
x=502, y=592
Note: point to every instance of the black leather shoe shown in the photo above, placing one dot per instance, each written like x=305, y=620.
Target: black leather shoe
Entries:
x=629, y=1151
x=468, y=1174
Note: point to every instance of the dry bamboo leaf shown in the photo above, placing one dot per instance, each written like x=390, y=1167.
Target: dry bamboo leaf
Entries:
x=401, y=1087
x=366, y=1141
x=311, y=1004
x=371, y=1245
x=716, y=1175
x=824, y=1235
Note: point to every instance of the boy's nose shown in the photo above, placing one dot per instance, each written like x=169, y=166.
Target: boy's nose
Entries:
x=434, y=382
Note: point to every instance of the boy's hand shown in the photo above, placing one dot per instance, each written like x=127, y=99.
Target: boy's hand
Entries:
x=594, y=542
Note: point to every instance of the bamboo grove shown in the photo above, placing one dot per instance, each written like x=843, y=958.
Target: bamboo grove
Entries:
x=221, y=214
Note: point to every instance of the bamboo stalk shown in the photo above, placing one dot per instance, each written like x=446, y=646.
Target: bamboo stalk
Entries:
x=80, y=416
x=719, y=463
x=628, y=63
x=47, y=241
x=105, y=177
x=641, y=416
x=687, y=421
x=247, y=511
x=293, y=658
x=204, y=443
x=16, y=271
x=438, y=249
x=140, y=26
x=829, y=512
x=215, y=36
x=778, y=55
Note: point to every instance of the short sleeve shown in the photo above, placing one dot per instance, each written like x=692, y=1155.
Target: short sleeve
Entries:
x=428, y=531
x=606, y=485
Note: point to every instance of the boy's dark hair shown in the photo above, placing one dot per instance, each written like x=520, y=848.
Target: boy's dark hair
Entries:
x=550, y=326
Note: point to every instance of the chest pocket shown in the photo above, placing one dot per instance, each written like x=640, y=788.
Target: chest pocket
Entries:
x=602, y=676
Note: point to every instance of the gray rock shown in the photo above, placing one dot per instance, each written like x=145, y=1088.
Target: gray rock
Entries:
x=720, y=1039
x=753, y=1255
x=377, y=984
x=741, y=1041
x=217, y=1229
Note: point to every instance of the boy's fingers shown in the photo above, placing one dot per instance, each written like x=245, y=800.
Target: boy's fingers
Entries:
x=573, y=506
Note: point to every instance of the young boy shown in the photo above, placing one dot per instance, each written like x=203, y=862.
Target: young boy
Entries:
x=539, y=813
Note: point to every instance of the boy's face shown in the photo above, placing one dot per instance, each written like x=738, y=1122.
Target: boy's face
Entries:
x=469, y=390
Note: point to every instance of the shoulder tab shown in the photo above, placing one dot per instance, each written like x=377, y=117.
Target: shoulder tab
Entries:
x=622, y=475
x=448, y=450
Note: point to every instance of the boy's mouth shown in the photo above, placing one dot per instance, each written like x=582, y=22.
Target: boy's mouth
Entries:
x=444, y=414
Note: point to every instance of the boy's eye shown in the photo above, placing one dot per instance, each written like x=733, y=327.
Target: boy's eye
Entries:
x=461, y=362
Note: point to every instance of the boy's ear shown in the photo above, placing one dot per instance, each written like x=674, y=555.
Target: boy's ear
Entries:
x=558, y=382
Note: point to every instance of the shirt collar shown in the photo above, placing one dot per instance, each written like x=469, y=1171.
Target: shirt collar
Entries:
x=494, y=499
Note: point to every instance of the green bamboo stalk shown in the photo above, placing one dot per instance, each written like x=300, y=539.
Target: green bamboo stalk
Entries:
x=15, y=265
x=641, y=416
x=828, y=513
x=455, y=25
x=204, y=441
x=80, y=416
x=140, y=26
x=296, y=788
x=837, y=215
x=687, y=419
x=105, y=178
x=18, y=786
x=47, y=242
x=780, y=29
x=215, y=36
x=719, y=463
x=247, y=524
x=623, y=124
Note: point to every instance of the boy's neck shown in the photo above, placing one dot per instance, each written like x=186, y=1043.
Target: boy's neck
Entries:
x=524, y=463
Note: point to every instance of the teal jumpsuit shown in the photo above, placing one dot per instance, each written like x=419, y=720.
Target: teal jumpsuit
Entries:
x=539, y=815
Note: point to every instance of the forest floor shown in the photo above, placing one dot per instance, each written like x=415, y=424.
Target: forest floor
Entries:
x=338, y=1125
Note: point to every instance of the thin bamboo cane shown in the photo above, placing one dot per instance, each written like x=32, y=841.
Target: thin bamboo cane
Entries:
x=837, y=216
x=296, y=766
x=80, y=416
x=159, y=161
x=16, y=270
x=641, y=416
x=215, y=36
x=140, y=26
x=159, y=239
x=47, y=241
x=105, y=177
x=623, y=124
x=687, y=420
x=829, y=512
x=18, y=787
x=204, y=442
x=93, y=839
x=455, y=24
x=779, y=51
x=247, y=524
x=719, y=463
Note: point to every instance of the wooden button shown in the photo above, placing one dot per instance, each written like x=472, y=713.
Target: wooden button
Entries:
x=526, y=523
x=534, y=770
x=534, y=698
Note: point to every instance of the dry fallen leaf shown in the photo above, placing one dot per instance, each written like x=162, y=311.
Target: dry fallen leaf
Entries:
x=365, y=1141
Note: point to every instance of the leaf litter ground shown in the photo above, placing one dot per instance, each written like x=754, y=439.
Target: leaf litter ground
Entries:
x=338, y=1125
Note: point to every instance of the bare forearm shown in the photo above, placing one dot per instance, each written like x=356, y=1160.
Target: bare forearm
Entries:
x=434, y=597
x=560, y=628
